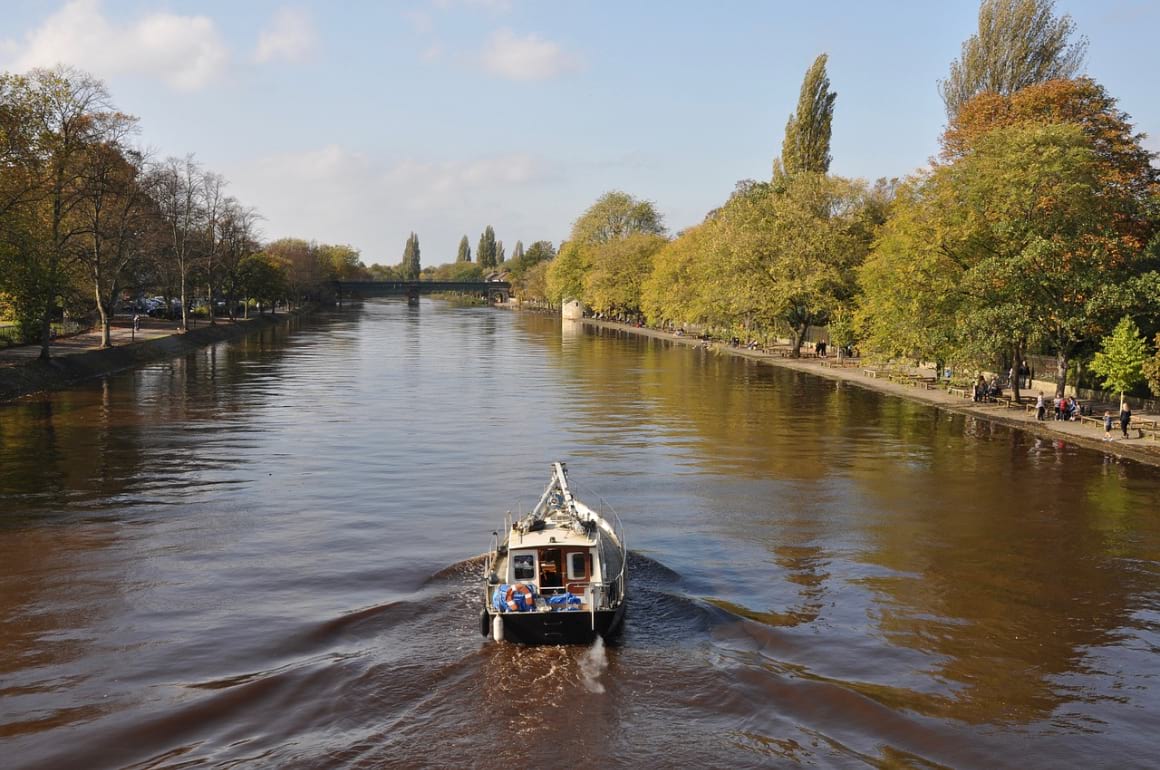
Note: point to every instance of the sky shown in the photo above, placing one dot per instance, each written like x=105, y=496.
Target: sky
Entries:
x=361, y=122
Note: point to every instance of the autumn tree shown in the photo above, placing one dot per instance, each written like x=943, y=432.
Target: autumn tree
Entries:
x=909, y=299
x=238, y=235
x=212, y=197
x=342, y=261
x=263, y=278
x=806, y=146
x=175, y=185
x=617, y=271
x=788, y=255
x=614, y=217
x=1018, y=43
x=65, y=113
x=683, y=287
x=109, y=215
x=518, y=253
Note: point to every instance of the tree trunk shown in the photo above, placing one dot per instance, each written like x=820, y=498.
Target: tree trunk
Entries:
x=184, y=314
x=799, y=337
x=1061, y=358
x=106, y=337
x=45, y=331
x=1017, y=353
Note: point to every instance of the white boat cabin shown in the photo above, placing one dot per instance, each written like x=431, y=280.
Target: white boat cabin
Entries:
x=553, y=560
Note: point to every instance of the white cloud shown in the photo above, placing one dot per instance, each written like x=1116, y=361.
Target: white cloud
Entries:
x=337, y=195
x=420, y=20
x=526, y=58
x=289, y=36
x=184, y=51
x=494, y=6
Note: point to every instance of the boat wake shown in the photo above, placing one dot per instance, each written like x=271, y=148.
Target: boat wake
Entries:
x=592, y=664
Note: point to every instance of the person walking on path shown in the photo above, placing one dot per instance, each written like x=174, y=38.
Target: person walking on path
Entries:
x=1107, y=425
x=1040, y=407
x=1125, y=418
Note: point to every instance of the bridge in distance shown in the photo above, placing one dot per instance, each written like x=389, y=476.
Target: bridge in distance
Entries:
x=412, y=290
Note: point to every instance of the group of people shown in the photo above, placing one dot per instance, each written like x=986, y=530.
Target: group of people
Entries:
x=1023, y=372
x=1125, y=421
x=1067, y=408
x=1064, y=407
x=985, y=390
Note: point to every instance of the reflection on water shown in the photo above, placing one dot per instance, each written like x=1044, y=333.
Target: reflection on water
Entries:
x=228, y=558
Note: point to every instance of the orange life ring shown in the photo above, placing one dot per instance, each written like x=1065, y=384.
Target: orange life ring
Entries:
x=510, y=597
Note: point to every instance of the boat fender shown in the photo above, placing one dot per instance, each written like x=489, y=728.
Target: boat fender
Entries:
x=519, y=597
x=484, y=622
x=497, y=628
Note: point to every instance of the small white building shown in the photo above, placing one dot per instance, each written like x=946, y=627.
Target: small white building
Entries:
x=572, y=310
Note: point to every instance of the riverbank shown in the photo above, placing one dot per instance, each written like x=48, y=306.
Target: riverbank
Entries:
x=80, y=358
x=1086, y=434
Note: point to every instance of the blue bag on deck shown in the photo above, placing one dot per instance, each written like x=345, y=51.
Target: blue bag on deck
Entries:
x=564, y=601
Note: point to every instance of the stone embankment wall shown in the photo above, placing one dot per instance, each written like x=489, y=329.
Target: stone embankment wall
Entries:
x=62, y=372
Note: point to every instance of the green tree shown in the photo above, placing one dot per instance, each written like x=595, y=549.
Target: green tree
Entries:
x=500, y=257
x=910, y=296
x=1151, y=369
x=69, y=112
x=264, y=279
x=806, y=146
x=540, y=251
x=464, y=251
x=617, y=271
x=110, y=218
x=1031, y=233
x=464, y=271
x=682, y=287
x=789, y=255
x=410, y=266
x=342, y=262
x=485, y=252
x=1121, y=358
x=534, y=285
x=616, y=215
x=1018, y=43
x=565, y=274
x=518, y=253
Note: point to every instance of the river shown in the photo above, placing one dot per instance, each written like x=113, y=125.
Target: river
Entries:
x=261, y=555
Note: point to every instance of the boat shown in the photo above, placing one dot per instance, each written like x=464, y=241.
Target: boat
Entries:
x=556, y=575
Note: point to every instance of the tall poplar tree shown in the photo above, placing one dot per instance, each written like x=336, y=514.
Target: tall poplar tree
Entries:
x=500, y=257
x=518, y=253
x=485, y=253
x=464, y=251
x=1019, y=43
x=410, y=267
x=806, y=146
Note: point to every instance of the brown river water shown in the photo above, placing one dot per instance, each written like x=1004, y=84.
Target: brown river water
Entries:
x=262, y=555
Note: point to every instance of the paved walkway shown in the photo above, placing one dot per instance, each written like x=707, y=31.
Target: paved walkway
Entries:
x=1089, y=433
x=121, y=333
